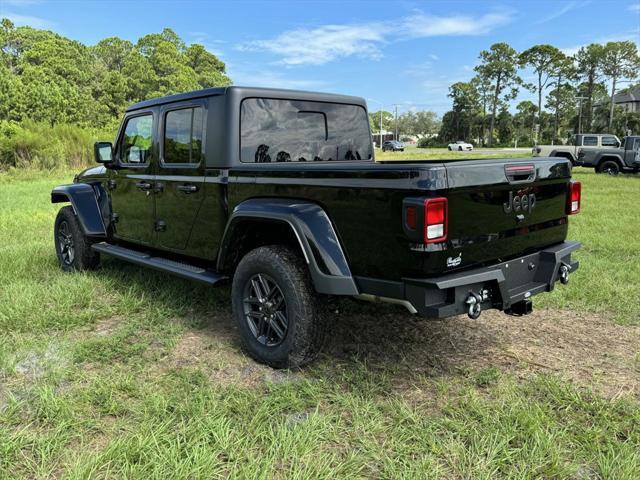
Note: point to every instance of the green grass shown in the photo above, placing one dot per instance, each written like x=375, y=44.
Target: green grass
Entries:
x=126, y=373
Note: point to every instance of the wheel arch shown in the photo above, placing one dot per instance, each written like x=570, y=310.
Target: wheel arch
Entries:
x=606, y=158
x=84, y=201
x=301, y=225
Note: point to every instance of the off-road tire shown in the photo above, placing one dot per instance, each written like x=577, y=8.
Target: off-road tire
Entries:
x=83, y=257
x=450, y=149
x=609, y=166
x=305, y=331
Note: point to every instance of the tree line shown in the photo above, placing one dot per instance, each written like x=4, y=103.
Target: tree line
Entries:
x=45, y=77
x=573, y=88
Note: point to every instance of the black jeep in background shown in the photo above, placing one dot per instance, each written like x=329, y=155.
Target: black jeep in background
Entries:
x=278, y=192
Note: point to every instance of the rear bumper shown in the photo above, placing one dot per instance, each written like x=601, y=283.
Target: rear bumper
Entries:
x=501, y=286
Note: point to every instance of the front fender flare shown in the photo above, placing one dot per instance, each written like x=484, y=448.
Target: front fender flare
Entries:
x=85, y=203
x=312, y=227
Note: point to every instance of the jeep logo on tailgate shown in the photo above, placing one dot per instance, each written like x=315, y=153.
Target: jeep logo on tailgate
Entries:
x=525, y=203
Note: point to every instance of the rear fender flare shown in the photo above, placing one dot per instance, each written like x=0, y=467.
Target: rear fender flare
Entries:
x=83, y=198
x=314, y=232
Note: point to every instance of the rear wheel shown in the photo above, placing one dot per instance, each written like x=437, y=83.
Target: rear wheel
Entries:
x=460, y=149
x=73, y=248
x=609, y=166
x=449, y=147
x=276, y=308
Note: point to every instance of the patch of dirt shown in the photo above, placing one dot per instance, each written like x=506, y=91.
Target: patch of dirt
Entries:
x=34, y=364
x=587, y=349
x=107, y=326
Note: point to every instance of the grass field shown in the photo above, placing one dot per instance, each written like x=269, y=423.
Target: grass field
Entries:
x=130, y=373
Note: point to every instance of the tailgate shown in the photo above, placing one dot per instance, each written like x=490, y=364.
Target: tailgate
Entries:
x=502, y=209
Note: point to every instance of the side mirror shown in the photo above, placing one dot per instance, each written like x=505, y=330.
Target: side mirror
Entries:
x=103, y=152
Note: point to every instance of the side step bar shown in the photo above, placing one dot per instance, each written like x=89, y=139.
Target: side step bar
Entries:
x=180, y=269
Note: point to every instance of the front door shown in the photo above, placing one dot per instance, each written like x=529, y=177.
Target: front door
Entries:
x=180, y=174
x=131, y=184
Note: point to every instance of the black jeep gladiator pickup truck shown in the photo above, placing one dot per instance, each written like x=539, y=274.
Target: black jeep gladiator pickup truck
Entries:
x=278, y=192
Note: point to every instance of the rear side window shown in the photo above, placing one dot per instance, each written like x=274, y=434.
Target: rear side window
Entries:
x=183, y=136
x=609, y=142
x=590, y=141
x=137, y=139
x=274, y=130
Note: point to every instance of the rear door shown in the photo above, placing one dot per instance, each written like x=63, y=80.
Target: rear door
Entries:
x=130, y=185
x=180, y=175
x=589, y=148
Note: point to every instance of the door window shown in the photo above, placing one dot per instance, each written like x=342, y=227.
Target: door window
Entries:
x=183, y=136
x=609, y=142
x=137, y=139
x=590, y=141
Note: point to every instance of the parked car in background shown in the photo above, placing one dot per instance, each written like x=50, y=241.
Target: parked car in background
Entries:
x=588, y=143
x=393, y=145
x=460, y=146
x=613, y=160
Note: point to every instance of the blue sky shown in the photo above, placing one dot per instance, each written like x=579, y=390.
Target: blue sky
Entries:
x=403, y=52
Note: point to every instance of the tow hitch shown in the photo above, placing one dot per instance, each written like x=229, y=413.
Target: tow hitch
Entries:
x=474, y=301
x=564, y=273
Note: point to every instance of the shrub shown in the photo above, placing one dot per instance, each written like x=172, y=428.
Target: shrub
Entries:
x=40, y=145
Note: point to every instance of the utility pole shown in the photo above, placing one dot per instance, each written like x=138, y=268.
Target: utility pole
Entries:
x=396, y=135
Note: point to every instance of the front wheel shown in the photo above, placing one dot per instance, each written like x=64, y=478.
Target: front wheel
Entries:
x=73, y=248
x=610, y=167
x=449, y=148
x=276, y=308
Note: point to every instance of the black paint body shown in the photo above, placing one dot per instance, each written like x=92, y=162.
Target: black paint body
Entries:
x=346, y=216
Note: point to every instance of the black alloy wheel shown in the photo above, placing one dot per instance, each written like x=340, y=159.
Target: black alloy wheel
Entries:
x=73, y=247
x=65, y=243
x=265, y=310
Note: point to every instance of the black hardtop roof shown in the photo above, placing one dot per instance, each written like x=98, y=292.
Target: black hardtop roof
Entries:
x=249, y=92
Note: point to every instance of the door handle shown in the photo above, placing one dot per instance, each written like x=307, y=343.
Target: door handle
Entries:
x=143, y=185
x=188, y=188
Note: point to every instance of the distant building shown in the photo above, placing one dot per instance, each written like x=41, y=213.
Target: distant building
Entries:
x=628, y=99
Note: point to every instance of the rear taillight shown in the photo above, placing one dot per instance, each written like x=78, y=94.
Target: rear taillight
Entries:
x=435, y=220
x=573, y=198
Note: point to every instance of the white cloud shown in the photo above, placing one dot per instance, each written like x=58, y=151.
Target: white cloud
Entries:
x=27, y=20
x=566, y=8
x=634, y=7
x=270, y=79
x=421, y=25
x=323, y=44
x=433, y=56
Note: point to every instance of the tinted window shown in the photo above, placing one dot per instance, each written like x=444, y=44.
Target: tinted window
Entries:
x=298, y=131
x=183, y=136
x=609, y=142
x=636, y=145
x=137, y=139
x=590, y=141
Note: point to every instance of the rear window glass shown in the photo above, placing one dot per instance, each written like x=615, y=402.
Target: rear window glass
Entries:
x=590, y=141
x=274, y=130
